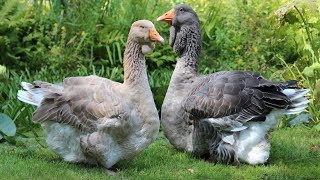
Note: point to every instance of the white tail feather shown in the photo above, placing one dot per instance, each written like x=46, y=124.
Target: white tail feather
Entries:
x=26, y=86
x=295, y=93
x=296, y=110
x=30, y=94
x=26, y=97
x=299, y=102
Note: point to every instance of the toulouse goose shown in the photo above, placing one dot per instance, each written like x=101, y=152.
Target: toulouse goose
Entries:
x=223, y=116
x=95, y=120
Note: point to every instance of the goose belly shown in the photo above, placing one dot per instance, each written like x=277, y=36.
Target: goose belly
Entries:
x=252, y=145
x=64, y=141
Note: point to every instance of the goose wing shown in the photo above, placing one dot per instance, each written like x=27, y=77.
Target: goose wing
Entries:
x=236, y=95
x=82, y=102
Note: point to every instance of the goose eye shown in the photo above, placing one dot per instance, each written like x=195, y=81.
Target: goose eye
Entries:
x=181, y=10
x=142, y=27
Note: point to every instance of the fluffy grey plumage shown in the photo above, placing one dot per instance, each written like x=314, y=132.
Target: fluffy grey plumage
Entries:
x=223, y=116
x=95, y=120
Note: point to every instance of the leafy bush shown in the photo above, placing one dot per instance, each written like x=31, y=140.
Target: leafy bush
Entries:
x=159, y=81
x=68, y=34
x=16, y=23
x=239, y=34
x=300, y=24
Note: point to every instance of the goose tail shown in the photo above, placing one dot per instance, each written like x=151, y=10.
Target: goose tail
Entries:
x=298, y=100
x=31, y=94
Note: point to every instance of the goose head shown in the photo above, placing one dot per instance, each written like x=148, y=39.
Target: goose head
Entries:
x=144, y=33
x=180, y=17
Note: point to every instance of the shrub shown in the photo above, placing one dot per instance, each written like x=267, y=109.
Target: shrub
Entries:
x=68, y=34
x=299, y=26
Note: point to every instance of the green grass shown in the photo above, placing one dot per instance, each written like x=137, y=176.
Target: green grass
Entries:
x=295, y=155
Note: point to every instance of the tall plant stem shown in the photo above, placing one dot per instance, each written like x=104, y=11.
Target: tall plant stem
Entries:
x=308, y=33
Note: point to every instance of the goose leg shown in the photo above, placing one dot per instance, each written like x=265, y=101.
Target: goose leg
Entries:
x=221, y=151
x=224, y=153
x=95, y=146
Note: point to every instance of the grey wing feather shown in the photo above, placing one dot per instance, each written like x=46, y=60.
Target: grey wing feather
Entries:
x=82, y=102
x=244, y=95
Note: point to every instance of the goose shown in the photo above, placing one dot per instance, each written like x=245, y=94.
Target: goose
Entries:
x=94, y=120
x=223, y=117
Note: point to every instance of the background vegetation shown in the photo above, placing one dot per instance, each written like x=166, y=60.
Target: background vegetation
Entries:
x=54, y=39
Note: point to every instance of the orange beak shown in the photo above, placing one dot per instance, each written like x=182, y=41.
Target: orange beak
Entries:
x=167, y=17
x=155, y=36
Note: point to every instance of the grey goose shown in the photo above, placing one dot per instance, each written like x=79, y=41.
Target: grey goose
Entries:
x=95, y=120
x=226, y=116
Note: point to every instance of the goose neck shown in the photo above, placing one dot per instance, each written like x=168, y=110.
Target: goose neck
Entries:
x=134, y=65
x=190, y=37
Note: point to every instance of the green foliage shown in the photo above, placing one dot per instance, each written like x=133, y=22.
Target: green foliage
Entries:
x=69, y=34
x=159, y=81
x=300, y=23
x=15, y=23
x=7, y=126
x=239, y=34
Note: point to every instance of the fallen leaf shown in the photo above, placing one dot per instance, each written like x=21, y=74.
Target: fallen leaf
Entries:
x=314, y=148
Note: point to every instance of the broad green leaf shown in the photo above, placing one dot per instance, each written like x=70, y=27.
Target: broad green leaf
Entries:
x=301, y=118
x=7, y=126
x=308, y=71
x=315, y=65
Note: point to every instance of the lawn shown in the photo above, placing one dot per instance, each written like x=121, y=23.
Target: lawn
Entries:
x=295, y=155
